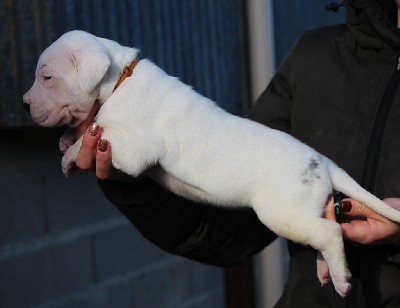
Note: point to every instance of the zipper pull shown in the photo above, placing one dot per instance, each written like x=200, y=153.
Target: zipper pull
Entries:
x=398, y=64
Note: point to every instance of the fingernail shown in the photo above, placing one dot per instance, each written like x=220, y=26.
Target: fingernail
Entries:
x=93, y=129
x=102, y=145
x=346, y=206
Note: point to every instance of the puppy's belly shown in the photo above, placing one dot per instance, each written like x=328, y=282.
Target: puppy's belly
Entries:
x=177, y=186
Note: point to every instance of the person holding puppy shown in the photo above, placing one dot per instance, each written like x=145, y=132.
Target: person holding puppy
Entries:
x=337, y=91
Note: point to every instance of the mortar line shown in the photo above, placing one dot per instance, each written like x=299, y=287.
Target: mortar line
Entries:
x=52, y=239
x=113, y=281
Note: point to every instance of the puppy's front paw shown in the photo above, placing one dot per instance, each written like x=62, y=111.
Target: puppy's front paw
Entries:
x=68, y=165
x=67, y=140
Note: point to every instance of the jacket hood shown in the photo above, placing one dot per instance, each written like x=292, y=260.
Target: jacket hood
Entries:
x=373, y=23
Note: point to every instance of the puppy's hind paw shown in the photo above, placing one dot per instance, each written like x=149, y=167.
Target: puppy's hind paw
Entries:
x=340, y=281
x=342, y=286
x=322, y=270
x=343, y=289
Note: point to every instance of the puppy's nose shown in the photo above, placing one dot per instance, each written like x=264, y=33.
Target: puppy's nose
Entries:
x=27, y=107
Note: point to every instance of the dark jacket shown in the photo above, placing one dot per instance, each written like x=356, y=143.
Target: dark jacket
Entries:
x=336, y=91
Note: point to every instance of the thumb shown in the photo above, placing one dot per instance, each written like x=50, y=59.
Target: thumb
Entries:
x=329, y=212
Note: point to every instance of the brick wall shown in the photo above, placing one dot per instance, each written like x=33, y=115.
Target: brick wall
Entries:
x=63, y=244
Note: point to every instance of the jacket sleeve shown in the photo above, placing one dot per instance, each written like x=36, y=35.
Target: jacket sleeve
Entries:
x=208, y=234
x=273, y=107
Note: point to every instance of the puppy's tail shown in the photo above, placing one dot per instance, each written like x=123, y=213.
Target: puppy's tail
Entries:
x=342, y=182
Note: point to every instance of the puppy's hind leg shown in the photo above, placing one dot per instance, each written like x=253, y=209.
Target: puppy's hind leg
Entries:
x=321, y=234
x=330, y=244
x=322, y=270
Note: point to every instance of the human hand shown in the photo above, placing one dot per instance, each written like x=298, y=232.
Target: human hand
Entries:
x=95, y=153
x=362, y=225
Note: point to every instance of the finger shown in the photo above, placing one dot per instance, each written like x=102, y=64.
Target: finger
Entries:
x=354, y=208
x=103, y=159
x=81, y=128
x=329, y=209
x=87, y=153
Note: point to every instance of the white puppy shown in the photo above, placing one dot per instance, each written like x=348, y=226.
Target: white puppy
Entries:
x=206, y=153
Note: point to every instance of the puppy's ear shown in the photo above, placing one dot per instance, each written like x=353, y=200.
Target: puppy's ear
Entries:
x=91, y=65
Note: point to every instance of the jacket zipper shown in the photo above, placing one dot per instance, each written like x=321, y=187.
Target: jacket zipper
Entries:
x=378, y=129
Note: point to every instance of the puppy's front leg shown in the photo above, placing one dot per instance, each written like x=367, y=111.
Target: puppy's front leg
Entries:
x=68, y=160
x=67, y=139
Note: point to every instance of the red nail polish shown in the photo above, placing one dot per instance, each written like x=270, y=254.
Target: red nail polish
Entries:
x=346, y=206
x=102, y=145
x=93, y=129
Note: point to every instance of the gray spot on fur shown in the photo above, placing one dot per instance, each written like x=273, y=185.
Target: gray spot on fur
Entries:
x=310, y=174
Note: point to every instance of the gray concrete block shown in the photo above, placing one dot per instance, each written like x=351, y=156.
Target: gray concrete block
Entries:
x=174, y=286
x=124, y=250
x=21, y=209
x=76, y=201
x=31, y=279
x=196, y=278
x=214, y=299
x=115, y=295
x=154, y=287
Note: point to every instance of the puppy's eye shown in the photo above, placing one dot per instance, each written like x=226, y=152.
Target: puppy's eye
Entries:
x=46, y=77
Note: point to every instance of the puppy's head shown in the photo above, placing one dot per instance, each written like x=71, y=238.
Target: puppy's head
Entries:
x=68, y=76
